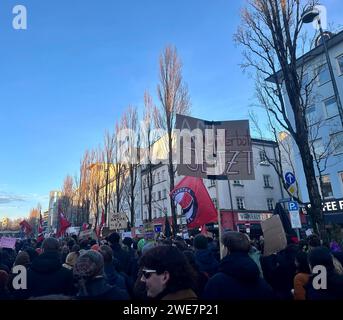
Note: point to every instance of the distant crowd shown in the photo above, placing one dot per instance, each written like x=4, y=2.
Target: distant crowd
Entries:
x=170, y=269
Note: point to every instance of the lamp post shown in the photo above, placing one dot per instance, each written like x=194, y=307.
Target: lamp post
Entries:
x=311, y=14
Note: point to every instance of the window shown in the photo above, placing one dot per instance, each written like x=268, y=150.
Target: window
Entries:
x=158, y=177
x=337, y=141
x=326, y=188
x=153, y=196
x=323, y=74
x=145, y=198
x=270, y=204
x=214, y=200
x=331, y=107
x=310, y=112
x=145, y=215
x=155, y=213
x=161, y=213
x=340, y=63
x=263, y=156
x=240, y=203
x=159, y=195
x=163, y=174
x=266, y=180
x=318, y=147
x=212, y=183
x=164, y=193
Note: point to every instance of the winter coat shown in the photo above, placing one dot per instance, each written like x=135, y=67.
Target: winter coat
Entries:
x=122, y=257
x=113, y=277
x=238, y=279
x=334, y=289
x=47, y=276
x=98, y=289
x=206, y=261
x=185, y=294
x=279, y=271
x=300, y=281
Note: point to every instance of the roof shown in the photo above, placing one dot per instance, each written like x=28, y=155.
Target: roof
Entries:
x=312, y=54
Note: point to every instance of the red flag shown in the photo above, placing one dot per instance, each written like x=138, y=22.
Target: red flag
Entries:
x=40, y=226
x=26, y=227
x=191, y=194
x=84, y=226
x=64, y=224
x=102, y=223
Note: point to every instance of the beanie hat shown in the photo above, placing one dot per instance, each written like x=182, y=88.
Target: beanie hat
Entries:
x=89, y=265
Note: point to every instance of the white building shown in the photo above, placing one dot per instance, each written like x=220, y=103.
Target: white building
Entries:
x=243, y=204
x=324, y=120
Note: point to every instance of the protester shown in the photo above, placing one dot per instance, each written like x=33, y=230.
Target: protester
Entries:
x=167, y=274
x=238, y=277
x=92, y=285
x=204, y=257
x=333, y=290
x=46, y=275
x=302, y=277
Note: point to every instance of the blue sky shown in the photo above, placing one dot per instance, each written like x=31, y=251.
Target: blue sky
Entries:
x=68, y=77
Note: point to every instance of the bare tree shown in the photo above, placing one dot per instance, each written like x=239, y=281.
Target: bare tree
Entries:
x=148, y=138
x=174, y=99
x=270, y=33
x=96, y=183
x=130, y=125
x=119, y=168
x=109, y=148
x=83, y=191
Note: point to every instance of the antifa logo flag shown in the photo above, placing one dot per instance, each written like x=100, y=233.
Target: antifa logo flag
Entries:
x=197, y=206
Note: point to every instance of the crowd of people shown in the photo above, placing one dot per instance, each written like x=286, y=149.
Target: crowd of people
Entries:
x=170, y=269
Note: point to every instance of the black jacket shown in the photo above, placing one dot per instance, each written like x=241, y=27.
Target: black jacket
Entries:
x=206, y=261
x=334, y=290
x=238, y=279
x=47, y=276
x=99, y=289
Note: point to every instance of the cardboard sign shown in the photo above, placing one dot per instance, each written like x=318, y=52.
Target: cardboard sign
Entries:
x=88, y=234
x=274, y=235
x=199, y=140
x=117, y=221
x=126, y=235
x=7, y=242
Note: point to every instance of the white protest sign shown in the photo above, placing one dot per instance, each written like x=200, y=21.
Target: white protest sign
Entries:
x=117, y=221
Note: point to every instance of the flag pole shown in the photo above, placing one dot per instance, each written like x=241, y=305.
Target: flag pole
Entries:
x=221, y=248
x=219, y=223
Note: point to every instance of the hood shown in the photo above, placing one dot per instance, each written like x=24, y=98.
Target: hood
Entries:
x=240, y=266
x=48, y=262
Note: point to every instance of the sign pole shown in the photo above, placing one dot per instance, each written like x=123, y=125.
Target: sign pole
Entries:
x=219, y=223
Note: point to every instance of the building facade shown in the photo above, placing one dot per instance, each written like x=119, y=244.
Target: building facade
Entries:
x=243, y=204
x=324, y=122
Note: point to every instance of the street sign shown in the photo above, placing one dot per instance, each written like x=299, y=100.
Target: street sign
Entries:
x=295, y=219
x=290, y=178
x=293, y=206
x=292, y=189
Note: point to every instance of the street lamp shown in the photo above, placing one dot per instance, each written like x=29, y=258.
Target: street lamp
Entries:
x=310, y=15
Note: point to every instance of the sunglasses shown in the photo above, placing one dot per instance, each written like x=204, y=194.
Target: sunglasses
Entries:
x=147, y=273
